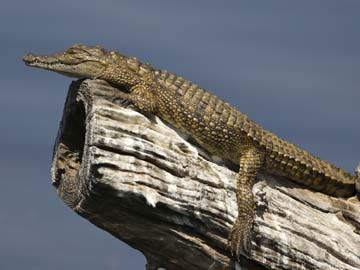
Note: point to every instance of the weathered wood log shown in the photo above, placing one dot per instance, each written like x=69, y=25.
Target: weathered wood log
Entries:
x=138, y=179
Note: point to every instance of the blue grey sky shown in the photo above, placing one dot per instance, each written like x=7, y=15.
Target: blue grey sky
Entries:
x=292, y=66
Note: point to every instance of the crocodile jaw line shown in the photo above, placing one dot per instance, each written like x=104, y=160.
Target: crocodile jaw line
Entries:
x=75, y=70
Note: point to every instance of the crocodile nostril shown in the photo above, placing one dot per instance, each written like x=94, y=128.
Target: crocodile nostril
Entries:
x=29, y=58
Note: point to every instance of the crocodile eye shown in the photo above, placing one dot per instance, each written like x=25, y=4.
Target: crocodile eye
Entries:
x=71, y=51
x=76, y=50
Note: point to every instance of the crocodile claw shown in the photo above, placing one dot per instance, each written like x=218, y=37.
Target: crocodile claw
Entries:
x=239, y=236
x=122, y=99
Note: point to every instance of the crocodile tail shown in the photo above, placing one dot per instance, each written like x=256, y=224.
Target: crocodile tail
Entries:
x=286, y=159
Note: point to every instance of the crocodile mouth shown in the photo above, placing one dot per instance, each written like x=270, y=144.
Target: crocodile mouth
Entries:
x=50, y=63
x=68, y=66
x=42, y=61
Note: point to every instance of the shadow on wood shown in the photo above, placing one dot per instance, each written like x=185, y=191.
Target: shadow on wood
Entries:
x=139, y=180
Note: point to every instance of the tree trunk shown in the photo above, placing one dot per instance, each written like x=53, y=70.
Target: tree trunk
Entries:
x=138, y=179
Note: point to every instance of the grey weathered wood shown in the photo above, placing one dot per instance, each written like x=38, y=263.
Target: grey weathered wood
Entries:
x=138, y=179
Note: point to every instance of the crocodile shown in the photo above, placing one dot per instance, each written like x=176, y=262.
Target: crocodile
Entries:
x=215, y=125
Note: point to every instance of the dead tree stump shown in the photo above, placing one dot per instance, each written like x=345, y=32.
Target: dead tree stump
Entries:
x=139, y=180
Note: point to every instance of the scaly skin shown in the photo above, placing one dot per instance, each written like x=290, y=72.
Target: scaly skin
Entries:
x=215, y=125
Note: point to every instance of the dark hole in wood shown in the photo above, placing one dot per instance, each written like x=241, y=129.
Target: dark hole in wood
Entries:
x=71, y=143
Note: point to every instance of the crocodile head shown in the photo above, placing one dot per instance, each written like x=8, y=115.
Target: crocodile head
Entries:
x=78, y=61
x=82, y=61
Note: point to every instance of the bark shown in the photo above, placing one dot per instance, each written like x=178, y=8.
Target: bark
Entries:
x=140, y=180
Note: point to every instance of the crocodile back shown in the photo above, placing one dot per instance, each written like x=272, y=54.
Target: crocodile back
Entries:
x=224, y=131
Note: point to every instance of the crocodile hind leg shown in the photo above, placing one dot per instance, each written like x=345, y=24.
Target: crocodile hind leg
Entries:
x=250, y=162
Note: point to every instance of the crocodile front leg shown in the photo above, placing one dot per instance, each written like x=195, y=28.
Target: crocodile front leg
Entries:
x=141, y=96
x=250, y=162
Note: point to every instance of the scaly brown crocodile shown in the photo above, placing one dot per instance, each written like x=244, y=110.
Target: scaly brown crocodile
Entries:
x=214, y=124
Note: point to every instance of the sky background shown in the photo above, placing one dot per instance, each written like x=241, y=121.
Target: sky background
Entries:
x=292, y=66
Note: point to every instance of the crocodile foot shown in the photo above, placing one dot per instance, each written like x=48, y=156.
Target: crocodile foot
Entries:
x=239, y=236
